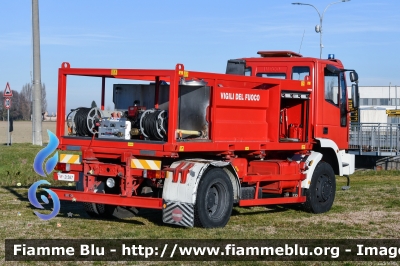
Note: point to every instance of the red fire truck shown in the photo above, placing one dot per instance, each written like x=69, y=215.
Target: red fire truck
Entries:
x=272, y=130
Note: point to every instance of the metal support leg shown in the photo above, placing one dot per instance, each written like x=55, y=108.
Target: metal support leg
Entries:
x=348, y=183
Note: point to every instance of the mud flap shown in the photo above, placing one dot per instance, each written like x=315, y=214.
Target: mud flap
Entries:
x=178, y=213
x=180, y=189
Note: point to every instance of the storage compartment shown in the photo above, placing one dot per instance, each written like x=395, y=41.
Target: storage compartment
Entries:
x=294, y=117
x=273, y=167
x=278, y=169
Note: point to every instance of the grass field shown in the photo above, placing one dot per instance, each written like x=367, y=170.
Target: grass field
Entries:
x=369, y=210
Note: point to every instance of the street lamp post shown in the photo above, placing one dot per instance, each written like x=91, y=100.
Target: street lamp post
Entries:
x=318, y=28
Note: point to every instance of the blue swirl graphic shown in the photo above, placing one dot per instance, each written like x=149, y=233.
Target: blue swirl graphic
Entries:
x=33, y=200
x=45, y=200
x=44, y=153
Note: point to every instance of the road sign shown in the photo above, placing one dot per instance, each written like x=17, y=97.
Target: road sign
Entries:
x=353, y=112
x=354, y=116
x=7, y=103
x=7, y=91
x=350, y=104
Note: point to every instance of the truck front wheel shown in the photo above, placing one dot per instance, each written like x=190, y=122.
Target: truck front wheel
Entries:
x=321, y=194
x=214, y=199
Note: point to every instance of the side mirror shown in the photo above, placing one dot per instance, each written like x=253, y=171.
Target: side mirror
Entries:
x=355, y=96
x=353, y=76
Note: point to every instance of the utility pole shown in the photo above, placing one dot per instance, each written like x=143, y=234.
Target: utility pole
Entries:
x=318, y=28
x=36, y=82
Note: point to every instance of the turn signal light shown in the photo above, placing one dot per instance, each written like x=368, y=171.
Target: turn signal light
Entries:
x=155, y=174
x=63, y=167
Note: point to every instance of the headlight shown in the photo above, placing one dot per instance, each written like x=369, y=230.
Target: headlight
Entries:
x=110, y=182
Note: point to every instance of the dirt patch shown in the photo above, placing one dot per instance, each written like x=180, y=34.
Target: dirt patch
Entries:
x=23, y=131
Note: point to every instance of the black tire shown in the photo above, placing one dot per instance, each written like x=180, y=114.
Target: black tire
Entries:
x=90, y=209
x=95, y=209
x=321, y=194
x=106, y=210
x=214, y=199
x=120, y=212
x=109, y=211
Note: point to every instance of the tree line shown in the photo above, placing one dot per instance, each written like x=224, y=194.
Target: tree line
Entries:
x=21, y=103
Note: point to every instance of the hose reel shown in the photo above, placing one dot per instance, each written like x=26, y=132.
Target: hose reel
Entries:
x=153, y=124
x=85, y=120
x=93, y=117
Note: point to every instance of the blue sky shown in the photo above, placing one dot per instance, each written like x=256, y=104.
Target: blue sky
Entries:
x=202, y=35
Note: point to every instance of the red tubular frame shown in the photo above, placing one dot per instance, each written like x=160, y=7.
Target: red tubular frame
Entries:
x=171, y=147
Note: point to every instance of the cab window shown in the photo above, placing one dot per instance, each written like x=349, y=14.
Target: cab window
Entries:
x=247, y=71
x=300, y=72
x=331, y=87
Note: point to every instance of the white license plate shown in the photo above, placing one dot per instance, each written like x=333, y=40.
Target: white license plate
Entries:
x=66, y=177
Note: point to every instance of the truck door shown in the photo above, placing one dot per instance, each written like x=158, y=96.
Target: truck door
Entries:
x=331, y=110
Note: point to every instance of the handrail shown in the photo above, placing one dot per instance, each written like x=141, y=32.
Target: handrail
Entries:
x=381, y=139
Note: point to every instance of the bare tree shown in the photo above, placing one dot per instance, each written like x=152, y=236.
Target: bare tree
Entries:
x=24, y=101
x=26, y=95
x=27, y=91
x=17, y=107
x=21, y=103
x=3, y=110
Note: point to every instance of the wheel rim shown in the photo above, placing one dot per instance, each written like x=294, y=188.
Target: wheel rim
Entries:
x=324, y=188
x=214, y=200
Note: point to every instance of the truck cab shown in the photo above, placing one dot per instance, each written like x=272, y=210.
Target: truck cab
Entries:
x=325, y=79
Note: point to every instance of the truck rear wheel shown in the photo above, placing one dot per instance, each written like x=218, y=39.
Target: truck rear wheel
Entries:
x=106, y=210
x=109, y=211
x=214, y=199
x=96, y=209
x=90, y=209
x=321, y=194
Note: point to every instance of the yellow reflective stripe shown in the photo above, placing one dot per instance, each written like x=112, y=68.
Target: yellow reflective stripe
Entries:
x=70, y=158
x=146, y=164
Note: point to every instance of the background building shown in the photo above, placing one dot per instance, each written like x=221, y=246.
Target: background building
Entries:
x=375, y=100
